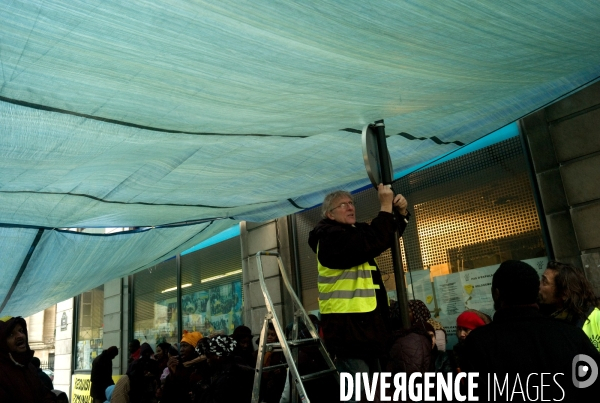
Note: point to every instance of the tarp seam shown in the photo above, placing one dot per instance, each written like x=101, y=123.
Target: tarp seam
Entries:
x=293, y=203
x=128, y=124
x=143, y=229
x=160, y=259
x=407, y=136
x=22, y=269
x=130, y=203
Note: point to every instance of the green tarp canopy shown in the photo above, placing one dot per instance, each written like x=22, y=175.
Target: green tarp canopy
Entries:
x=147, y=113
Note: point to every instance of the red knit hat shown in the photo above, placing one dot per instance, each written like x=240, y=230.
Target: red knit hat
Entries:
x=469, y=320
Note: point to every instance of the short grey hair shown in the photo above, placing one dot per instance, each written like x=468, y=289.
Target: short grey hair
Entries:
x=330, y=198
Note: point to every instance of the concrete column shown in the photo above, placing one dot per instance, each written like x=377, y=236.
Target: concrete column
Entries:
x=268, y=236
x=113, y=320
x=564, y=143
x=63, y=344
x=126, y=332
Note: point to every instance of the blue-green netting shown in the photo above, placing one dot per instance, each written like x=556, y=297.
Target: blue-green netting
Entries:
x=66, y=263
x=137, y=113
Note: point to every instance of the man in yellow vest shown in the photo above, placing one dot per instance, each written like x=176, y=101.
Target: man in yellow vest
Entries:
x=352, y=298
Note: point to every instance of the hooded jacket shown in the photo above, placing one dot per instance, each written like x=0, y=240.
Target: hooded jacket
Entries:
x=143, y=375
x=101, y=376
x=109, y=393
x=19, y=382
x=178, y=385
x=343, y=246
x=520, y=341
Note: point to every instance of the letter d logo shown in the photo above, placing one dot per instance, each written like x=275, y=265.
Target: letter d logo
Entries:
x=583, y=370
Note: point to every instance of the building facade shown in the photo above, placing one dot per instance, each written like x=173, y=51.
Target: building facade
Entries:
x=532, y=196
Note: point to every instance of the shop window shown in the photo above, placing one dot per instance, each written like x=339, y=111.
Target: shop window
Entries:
x=212, y=298
x=155, y=304
x=89, y=331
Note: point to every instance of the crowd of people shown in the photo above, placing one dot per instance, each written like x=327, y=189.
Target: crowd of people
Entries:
x=363, y=334
x=216, y=368
x=539, y=326
x=212, y=369
x=519, y=340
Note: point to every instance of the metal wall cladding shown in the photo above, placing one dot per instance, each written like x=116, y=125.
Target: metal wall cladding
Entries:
x=473, y=211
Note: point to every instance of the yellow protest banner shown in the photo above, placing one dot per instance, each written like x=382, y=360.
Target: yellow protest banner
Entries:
x=80, y=388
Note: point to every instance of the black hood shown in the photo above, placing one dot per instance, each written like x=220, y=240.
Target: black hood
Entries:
x=145, y=349
x=5, y=329
x=325, y=226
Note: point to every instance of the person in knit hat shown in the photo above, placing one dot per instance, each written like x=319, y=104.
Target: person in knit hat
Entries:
x=227, y=381
x=19, y=382
x=191, y=338
x=466, y=322
x=178, y=384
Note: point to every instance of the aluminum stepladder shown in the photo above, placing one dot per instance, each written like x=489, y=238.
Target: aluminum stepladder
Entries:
x=288, y=347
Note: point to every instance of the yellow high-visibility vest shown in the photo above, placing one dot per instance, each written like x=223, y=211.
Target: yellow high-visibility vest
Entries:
x=346, y=291
x=591, y=327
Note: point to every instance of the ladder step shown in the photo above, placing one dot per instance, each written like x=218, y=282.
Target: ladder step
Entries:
x=293, y=343
x=286, y=346
x=316, y=375
x=303, y=342
x=274, y=367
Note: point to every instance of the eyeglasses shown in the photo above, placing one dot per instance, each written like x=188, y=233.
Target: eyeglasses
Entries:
x=344, y=206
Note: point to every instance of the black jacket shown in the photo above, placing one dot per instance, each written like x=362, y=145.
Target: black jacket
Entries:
x=101, y=377
x=143, y=377
x=19, y=382
x=522, y=341
x=230, y=383
x=410, y=352
x=342, y=246
x=46, y=381
x=179, y=385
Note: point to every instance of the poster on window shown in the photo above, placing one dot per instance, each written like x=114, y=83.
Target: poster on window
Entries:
x=224, y=309
x=216, y=309
x=85, y=354
x=477, y=284
x=194, y=308
x=163, y=327
x=449, y=293
x=419, y=287
x=470, y=289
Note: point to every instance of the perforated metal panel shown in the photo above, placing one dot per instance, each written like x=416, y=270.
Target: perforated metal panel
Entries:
x=469, y=212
